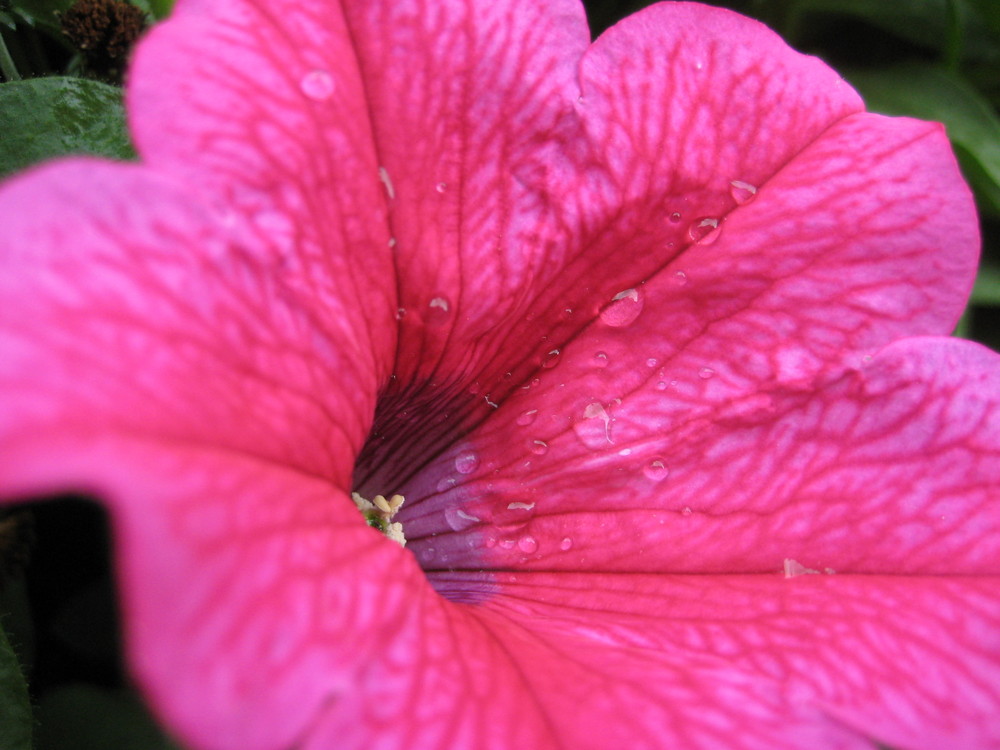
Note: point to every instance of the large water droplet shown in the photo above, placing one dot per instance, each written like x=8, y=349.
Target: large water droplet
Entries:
x=704, y=231
x=437, y=311
x=318, y=85
x=742, y=192
x=656, y=470
x=539, y=447
x=459, y=520
x=594, y=430
x=565, y=544
x=551, y=359
x=527, y=417
x=527, y=545
x=466, y=463
x=623, y=308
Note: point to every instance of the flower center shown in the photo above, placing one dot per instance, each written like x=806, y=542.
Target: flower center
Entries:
x=378, y=512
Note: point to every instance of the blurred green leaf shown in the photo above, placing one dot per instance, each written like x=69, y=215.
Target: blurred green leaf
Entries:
x=987, y=289
x=47, y=117
x=15, y=707
x=85, y=717
x=42, y=12
x=932, y=93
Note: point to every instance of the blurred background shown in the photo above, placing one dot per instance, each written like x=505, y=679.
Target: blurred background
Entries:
x=61, y=65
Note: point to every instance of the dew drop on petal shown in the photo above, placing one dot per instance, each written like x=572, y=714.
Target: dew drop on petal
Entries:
x=400, y=313
x=705, y=373
x=459, y=520
x=623, y=308
x=437, y=311
x=507, y=543
x=601, y=359
x=742, y=192
x=539, y=447
x=675, y=218
x=441, y=187
x=551, y=359
x=527, y=544
x=704, y=231
x=383, y=175
x=685, y=511
x=521, y=506
x=491, y=542
x=527, y=417
x=466, y=463
x=318, y=85
x=661, y=385
x=656, y=470
x=652, y=362
x=680, y=278
x=565, y=544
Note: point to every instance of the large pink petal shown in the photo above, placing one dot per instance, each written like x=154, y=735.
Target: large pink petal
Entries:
x=741, y=662
x=163, y=317
x=890, y=468
x=685, y=111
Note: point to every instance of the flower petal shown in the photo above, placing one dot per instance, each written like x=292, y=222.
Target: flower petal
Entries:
x=891, y=468
x=162, y=317
x=746, y=662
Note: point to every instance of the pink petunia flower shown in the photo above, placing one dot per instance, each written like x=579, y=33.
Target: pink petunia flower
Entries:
x=642, y=330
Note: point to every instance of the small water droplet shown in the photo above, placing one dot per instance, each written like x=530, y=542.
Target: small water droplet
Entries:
x=742, y=192
x=661, y=385
x=685, y=511
x=491, y=542
x=400, y=313
x=704, y=231
x=459, y=520
x=551, y=359
x=539, y=447
x=392, y=242
x=507, y=543
x=527, y=417
x=625, y=452
x=680, y=278
x=675, y=218
x=652, y=362
x=441, y=187
x=527, y=544
x=705, y=373
x=698, y=64
x=446, y=484
x=318, y=85
x=656, y=470
x=466, y=463
x=565, y=544
x=437, y=311
x=520, y=506
x=383, y=175
x=623, y=308
x=601, y=360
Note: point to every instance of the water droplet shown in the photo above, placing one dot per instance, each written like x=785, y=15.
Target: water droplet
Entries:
x=704, y=231
x=400, y=313
x=459, y=520
x=698, y=64
x=383, y=175
x=441, y=187
x=685, y=511
x=652, y=362
x=491, y=542
x=623, y=308
x=551, y=359
x=520, y=506
x=601, y=359
x=705, y=373
x=675, y=218
x=680, y=278
x=656, y=470
x=392, y=242
x=742, y=192
x=625, y=452
x=661, y=385
x=565, y=544
x=507, y=543
x=527, y=545
x=437, y=311
x=318, y=85
x=527, y=417
x=539, y=447
x=466, y=463
x=594, y=430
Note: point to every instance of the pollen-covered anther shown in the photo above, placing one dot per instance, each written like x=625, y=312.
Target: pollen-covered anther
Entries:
x=378, y=512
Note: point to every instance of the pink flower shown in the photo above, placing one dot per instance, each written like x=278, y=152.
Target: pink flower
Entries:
x=634, y=327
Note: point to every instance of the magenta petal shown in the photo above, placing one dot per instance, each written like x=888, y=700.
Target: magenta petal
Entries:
x=889, y=468
x=751, y=661
x=165, y=318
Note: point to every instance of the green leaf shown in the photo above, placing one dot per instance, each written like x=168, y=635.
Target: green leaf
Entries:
x=85, y=717
x=43, y=118
x=43, y=12
x=932, y=93
x=986, y=292
x=15, y=707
